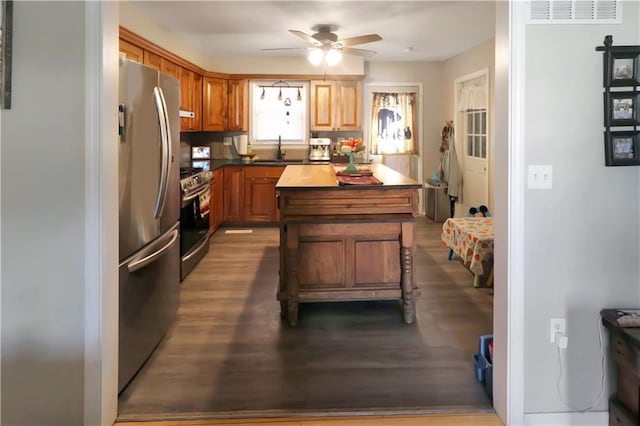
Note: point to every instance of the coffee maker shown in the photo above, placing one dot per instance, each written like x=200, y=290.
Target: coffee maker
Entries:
x=319, y=149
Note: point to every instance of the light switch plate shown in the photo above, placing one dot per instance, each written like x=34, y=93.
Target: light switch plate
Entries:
x=540, y=177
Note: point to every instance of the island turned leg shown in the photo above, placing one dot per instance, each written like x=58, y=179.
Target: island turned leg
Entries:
x=406, y=257
x=292, y=274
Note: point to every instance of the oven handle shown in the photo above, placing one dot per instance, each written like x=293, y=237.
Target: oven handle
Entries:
x=136, y=264
x=193, y=253
x=191, y=197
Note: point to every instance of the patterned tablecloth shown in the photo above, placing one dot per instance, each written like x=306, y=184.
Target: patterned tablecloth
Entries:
x=471, y=238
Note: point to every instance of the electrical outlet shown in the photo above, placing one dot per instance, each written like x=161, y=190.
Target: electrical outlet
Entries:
x=556, y=325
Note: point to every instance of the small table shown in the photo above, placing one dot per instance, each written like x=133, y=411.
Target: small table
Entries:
x=471, y=238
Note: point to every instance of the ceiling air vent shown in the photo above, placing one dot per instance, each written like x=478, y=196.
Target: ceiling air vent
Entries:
x=575, y=12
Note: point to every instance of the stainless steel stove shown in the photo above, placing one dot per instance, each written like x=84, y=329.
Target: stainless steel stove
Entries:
x=194, y=217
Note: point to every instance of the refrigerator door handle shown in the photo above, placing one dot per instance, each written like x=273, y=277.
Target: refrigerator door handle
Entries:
x=164, y=135
x=168, y=152
x=139, y=263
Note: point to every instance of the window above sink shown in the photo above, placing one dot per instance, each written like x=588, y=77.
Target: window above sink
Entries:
x=279, y=108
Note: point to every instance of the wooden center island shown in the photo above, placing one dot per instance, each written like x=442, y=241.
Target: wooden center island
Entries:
x=351, y=242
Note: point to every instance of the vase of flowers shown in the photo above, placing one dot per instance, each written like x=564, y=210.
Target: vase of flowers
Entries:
x=354, y=146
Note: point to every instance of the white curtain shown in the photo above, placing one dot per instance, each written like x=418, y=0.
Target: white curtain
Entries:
x=393, y=123
x=473, y=95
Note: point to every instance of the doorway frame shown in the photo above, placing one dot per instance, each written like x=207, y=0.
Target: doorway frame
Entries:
x=484, y=74
x=101, y=183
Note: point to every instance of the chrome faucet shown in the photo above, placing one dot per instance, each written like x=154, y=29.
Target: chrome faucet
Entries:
x=280, y=154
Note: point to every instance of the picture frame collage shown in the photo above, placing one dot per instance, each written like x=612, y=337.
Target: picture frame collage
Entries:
x=621, y=103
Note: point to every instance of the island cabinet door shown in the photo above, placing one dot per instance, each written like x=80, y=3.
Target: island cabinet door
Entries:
x=233, y=194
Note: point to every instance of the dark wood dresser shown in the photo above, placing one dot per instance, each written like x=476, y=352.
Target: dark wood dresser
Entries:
x=624, y=344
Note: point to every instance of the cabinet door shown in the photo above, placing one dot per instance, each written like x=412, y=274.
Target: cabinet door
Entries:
x=170, y=68
x=322, y=100
x=131, y=51
x=349, y=105
x=238, y=100
x=152, y=60
x=260, y=194
x=190, y=100
x=233, y=194
x=214, y=104
x=218, y=197
x=216, y=211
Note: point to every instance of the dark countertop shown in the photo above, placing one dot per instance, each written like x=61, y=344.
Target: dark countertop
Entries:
x=219, y=164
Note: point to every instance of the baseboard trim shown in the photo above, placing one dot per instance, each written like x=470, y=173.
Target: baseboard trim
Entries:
x=598, y=418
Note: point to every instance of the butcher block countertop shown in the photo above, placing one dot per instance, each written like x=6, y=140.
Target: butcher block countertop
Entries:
x=323, y=176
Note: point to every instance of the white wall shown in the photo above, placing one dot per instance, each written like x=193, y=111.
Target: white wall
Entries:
x=43, y=218
x=581, y=246
x=475, y=59
x=430, y=75
x=136, y=21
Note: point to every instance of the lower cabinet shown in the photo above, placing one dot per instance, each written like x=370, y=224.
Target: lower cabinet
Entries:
x=216, y=205
x=248, y=195
x=260, y=193
x=233, y=194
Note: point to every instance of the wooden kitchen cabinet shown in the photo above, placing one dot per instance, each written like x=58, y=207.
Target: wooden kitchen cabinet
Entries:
x=190, y=100
x=214, y=104
x=131, y=51
x=216, y=205
x=336, y=105
x=238, y=105
x=260, y=193
x=233, y=194
x=152, y=60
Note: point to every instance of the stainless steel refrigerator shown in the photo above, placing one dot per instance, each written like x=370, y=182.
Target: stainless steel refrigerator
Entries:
x=149, y=195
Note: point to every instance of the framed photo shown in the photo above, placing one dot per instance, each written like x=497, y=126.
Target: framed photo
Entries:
x=621, y=108
x=622, y=148
x=6, y=31
x=623, y=69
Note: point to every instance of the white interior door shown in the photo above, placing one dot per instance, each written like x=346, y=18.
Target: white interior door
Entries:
x=472, y=139
x=475, y=186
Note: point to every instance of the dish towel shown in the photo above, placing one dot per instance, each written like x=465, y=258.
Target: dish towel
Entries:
x=203, y=200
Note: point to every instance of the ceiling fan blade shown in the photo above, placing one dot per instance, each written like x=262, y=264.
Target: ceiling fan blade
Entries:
x=306, y=37
x=359, y=52
x=287, y=48
x=359, y=40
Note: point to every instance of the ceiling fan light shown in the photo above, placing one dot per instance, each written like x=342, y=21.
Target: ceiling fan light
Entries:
x=315, y=56
x=333, y=57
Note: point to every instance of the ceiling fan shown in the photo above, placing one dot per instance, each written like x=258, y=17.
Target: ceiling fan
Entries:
x=326, y=43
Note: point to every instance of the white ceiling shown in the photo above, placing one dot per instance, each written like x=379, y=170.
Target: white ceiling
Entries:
x=411, y=30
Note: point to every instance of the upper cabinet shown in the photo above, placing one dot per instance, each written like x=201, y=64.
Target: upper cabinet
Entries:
x=214, y=104
x=238, y=105
x=131, y=51
x=190, y=100
x=336, y=105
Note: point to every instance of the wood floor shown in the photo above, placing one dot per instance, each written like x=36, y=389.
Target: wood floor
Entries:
x=478, y=419
x=229, y=355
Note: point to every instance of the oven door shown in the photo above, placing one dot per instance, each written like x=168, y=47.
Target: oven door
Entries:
x=194, y=229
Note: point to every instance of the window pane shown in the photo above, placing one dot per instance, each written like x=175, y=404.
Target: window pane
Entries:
x=484, y=146
x=271, y=117
x=476, y=146
x=470, y=146
x=477, y=126
x=484, y=122
x=469, y=122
